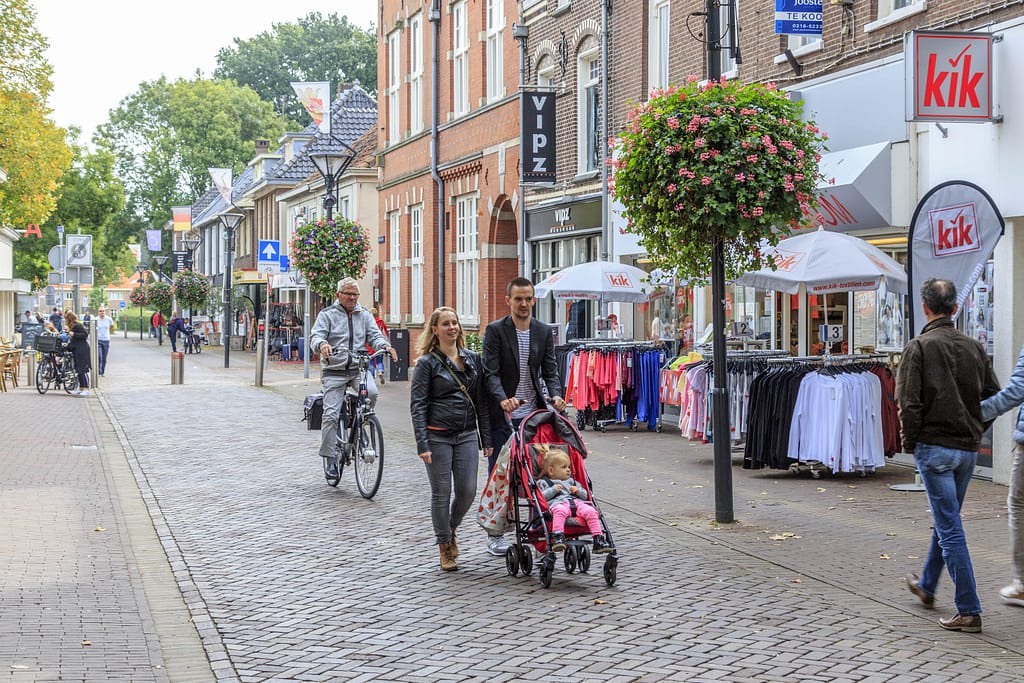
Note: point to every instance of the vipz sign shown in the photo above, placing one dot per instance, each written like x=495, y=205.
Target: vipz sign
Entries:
x=538, y=136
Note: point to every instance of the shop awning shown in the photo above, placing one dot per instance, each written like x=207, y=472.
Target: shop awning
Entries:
x=857, y=191
x=248, y=277
x=18, y=285
x=291, y=280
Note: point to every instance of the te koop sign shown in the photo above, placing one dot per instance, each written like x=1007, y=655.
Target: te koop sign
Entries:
x=949, y=76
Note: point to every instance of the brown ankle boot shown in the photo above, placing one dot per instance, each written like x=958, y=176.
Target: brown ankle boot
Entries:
x=453, y=546
x=447, y=561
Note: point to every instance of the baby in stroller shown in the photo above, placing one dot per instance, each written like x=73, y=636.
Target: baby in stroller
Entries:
x=566, y=498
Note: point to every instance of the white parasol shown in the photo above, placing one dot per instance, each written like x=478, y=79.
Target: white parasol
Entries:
x=826, y=262
x=597, y=281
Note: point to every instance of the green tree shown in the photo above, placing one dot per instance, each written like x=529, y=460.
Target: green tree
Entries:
x=314, y=48
x=23, y=65
x=166, y=135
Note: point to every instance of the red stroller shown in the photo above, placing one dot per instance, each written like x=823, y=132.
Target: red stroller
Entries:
x=528, y=510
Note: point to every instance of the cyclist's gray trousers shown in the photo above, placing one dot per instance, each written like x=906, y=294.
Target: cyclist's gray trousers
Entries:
x=334, y=396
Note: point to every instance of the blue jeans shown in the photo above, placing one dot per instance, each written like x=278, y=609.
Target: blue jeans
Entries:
x=946, y=472
x=102, y=347
x=500, y=433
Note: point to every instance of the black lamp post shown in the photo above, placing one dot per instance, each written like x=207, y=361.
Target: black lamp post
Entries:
x=230, y=221
x=140, y=269
x=160, y=261
x=332, y=165
x=190, y=244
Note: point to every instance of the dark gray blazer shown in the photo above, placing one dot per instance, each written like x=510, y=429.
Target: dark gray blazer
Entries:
x=501, y=362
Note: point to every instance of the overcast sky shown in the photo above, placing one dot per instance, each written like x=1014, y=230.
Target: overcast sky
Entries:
x=102, y=49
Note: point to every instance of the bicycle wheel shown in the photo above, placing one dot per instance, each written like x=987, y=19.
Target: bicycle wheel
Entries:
x=44, y=375
x=369, y=457
x=70, y=379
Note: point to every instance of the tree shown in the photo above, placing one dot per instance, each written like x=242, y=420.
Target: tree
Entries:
x=166, y=135
x=327, y=251
x=725, y=163
x=315, y=48
x=23, y=65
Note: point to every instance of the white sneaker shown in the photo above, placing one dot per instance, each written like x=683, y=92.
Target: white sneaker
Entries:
x=1013, y=594
x=83, y=392
x=76, y=392
x=497, y=545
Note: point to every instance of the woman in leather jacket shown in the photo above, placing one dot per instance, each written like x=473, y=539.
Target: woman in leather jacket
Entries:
x=450, y=422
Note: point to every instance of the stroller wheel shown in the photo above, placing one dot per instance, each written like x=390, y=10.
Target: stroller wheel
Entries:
x=526, y=559
x=547, y=567
x=569, y=559
x=584, y=559
x=610, y=566
x=512, y=561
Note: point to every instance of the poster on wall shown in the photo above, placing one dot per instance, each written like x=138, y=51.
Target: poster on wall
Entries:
x=890, y=328
x=978, y=310
x=864, y=319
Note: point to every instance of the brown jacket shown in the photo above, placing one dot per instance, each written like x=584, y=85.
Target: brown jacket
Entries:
x=943, y=377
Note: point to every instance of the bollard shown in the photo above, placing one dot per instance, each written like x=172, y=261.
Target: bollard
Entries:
x=260, y=345
x=177, y=367
x=31, y=367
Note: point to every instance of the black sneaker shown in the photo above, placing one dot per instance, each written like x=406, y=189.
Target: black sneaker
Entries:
x=602, y=546
x=558, y=541
x=331, y=468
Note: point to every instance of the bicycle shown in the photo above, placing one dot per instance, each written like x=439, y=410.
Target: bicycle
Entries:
x=193, y=340
x=56, y=368
x=360, y=437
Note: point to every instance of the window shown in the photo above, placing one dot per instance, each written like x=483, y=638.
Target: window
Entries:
x=892, y=11
x=460, y=59
x=589, y=113
x=344, y=209
x=546, y=74
x=495, y=64
x=394, y=79
x=467, y=259
x=416, y=73
x=416, y=253
x=797, y=42
x=659, y=37
x=726, y=14
x=395, y=268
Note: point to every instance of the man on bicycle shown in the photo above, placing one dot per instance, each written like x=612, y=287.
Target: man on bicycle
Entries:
x=341, y=330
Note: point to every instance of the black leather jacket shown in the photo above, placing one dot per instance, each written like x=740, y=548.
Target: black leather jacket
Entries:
x=436, y=399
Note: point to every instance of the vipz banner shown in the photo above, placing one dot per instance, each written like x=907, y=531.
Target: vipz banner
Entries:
x=538, y=136
x=955, y=229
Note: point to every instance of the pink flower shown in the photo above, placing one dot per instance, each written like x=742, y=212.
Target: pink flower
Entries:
x=741, y=177
x=705, y=180
x=704, y=156
x=673, y=123
x=699, y=142
x=671, y=188
x=752, y=158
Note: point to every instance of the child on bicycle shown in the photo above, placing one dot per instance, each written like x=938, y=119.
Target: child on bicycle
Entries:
x=566, y=498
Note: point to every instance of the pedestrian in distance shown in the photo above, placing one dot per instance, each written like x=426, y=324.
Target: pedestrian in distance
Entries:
x=80, y=350
x=39, y=317
x=993, y=406
x=566, y=498
x=175, y=327
x=942, y=380
x=340, y=330
x=28, y=317
x=56, y=319
x=519, y=358
x=104, y=326
x=379, y=368
x=450, y=418
x=156, y=323
x=86, y=319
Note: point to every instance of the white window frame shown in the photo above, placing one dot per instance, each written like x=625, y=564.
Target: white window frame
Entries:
x=799, y=46
x=416, y=261
x=494, y=47
x=546, y=75
x=394, y=267
x=467, y=259
x=660, y=42
x=728, y=66
x=892, y=11
x=394, y=87
x=460, y=58
x=589, y=86
x=416, y=73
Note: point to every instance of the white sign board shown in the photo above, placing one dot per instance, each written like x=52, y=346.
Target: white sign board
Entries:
x=79, y=251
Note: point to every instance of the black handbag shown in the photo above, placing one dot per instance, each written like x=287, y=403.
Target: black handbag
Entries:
x=313, y=411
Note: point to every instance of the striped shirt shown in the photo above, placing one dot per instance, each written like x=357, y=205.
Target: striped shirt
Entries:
x=524, y=391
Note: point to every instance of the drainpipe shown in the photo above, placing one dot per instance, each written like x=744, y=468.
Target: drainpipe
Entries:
x=435, y=18
x=606, y=228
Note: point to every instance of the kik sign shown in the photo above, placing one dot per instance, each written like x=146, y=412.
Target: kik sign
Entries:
x=619, y=280
x=538, y=136
x=786, y=260
x=950, y=76
x=954, y=230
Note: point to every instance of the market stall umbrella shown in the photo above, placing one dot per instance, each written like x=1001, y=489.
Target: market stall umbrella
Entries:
x=826, y=262
x=597, y=281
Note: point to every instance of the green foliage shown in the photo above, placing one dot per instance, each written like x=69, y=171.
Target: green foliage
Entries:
x=315, y=48
x=166, y=135
x=97, y=298
x=726, y=162
x=191, y=289
x=23, y=65
x=474, y=342
x=160, y=297
x=327, y=251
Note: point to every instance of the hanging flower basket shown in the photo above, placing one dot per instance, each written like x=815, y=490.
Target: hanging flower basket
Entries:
x=160, y=296
x=138, y=296
x=327, y=251
x=192, y=289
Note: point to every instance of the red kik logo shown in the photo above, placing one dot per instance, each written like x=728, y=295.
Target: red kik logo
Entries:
x=954, y=230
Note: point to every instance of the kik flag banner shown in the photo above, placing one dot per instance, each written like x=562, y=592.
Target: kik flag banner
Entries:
x=153, y=240
x=182, y=218
x=316, y=98
x=222, y=181
x=955, y=228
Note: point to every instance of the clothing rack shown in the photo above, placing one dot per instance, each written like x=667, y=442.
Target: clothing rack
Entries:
x=624, y=391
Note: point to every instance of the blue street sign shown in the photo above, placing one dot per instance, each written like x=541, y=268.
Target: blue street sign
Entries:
x=284, y=263
x=798, y=17
x=122, y=305
x=269, y=251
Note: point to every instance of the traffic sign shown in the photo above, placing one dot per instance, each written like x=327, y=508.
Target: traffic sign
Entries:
x=56, y=256
x=79, y=250
x=285, y=263
x=270, y=251
x=122, y=305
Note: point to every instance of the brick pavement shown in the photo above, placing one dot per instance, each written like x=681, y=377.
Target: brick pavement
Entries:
x=290, y=580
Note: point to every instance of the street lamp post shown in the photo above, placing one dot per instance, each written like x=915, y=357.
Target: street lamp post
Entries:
x=190, y=244
x=331, y=165
x=140, y=270
x=230, y=221
x=160, y=261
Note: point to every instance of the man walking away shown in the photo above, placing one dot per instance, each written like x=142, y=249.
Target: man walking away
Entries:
x=519, y=360
x=942, y=380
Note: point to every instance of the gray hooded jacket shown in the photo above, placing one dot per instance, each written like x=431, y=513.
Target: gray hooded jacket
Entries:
x=347, y=333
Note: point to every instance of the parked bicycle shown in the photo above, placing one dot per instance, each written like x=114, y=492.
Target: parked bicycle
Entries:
x=360, y=437
x=194, y=340
x=56, y=366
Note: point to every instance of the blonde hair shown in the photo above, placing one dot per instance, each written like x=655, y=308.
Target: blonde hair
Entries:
x=428, y=341
x=551, y=456
x=70, y=317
